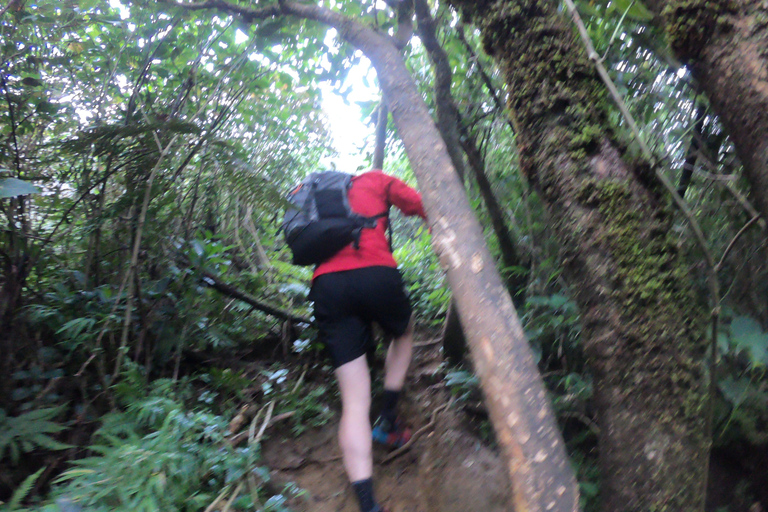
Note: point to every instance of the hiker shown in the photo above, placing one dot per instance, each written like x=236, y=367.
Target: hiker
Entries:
x=353, y=288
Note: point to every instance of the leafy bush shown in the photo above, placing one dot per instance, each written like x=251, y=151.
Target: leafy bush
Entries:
x=305, y=403
x=424, y=278
x=160, y=456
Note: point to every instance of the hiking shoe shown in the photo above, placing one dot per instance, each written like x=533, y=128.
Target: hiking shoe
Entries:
x=389, y=434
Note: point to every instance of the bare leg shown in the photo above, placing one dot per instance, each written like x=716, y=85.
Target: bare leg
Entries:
x=355, y=426
x=398, y=360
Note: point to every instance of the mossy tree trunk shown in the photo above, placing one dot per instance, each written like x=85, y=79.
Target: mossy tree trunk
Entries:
x=725, y=45
x=643, y=331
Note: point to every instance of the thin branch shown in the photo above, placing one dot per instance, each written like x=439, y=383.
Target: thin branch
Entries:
x=135, y=253
x=733, y=241
x=16, y=158
x=226, y=289
x=595, y=57
x=483, y=74
x=8, y=5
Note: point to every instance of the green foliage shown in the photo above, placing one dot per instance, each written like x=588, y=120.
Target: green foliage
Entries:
x=28, y=432
x=89, y=96
x=746, y=337
x=462, y=384
x=11, y=187
x=424, y=278
x=741, y=410
x=307, y=404
x=552, y=326
x=22, y=491
x=159, y=455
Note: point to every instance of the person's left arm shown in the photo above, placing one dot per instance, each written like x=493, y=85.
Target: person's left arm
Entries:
x=405, y=198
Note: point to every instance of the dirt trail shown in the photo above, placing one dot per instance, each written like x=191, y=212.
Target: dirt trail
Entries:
x=446, y=469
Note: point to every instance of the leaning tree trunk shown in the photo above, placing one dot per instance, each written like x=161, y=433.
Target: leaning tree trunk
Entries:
x=517, y=400
x=724, y=44
x=643, y=330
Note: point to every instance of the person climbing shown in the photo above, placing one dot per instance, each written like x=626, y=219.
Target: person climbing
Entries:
x=351, y=290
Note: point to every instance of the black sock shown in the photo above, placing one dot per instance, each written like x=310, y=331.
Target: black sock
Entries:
x=389, y=406
x=364, y=491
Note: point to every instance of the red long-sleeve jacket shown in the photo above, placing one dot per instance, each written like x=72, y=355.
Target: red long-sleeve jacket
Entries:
x=371, y=194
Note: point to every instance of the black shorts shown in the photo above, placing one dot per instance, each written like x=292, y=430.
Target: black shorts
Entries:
x=348, y=302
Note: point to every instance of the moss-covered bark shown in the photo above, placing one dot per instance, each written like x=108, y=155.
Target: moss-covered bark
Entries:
x=644, y=332
x=725, y=45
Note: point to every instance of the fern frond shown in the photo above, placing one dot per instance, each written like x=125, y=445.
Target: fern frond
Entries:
x=22, y=490
x=252, y=186
x=44, y=441
x=107, y=136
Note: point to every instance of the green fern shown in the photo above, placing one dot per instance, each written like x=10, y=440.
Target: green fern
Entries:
x=158, y=456
x=22, y=491
x=29, y=431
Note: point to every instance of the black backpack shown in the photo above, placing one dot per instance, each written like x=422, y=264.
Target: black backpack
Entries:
x=320, y=221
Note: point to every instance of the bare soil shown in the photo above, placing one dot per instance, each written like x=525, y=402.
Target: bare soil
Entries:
x=447, y=468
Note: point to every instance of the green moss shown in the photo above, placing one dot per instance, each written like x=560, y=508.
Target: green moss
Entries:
x=691, y=23
x=552, y=84
x=646, y=256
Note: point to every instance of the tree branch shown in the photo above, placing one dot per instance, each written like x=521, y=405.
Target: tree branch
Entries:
x=250, y=14
x=226, y=289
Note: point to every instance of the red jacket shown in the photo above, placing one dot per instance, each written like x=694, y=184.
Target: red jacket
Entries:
x=371, y=194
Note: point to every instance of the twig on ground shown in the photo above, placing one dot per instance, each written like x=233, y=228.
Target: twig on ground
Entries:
x=234, y=497
x=326, y=460
x=239, y=418
x=219, y=499
x=253, y=488
x=268, y=417
x=242, y=436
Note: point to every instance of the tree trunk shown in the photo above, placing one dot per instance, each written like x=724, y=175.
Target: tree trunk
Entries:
x=724, y=45
x=516, y=280
x=456, y=138
x=643, y=330
x=381, y=135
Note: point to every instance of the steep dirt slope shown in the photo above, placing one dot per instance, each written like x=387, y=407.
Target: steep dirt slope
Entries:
x=447, y=468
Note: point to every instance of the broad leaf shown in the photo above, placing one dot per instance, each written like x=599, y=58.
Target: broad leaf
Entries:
x=12, y=187
x=747, y=334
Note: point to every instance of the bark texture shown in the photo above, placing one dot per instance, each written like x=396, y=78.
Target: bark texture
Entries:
x=643, y=332
x=725, y=44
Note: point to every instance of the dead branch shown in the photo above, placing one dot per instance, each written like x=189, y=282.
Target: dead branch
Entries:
x=231, y=291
